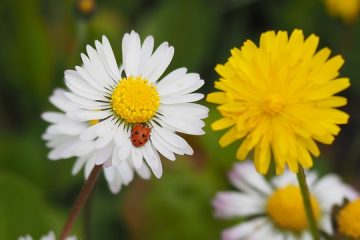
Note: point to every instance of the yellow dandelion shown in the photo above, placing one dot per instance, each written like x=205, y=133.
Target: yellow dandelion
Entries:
x=347, y=10
x=279, y=98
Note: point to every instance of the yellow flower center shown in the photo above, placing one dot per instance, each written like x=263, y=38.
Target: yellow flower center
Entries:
x=135, y=100
x=274, y=104
x=348, y=220
x=285, y=207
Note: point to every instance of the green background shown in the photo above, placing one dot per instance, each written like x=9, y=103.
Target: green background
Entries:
x=41, y=39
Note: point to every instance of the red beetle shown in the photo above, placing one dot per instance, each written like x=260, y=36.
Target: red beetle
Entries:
x=140, y=134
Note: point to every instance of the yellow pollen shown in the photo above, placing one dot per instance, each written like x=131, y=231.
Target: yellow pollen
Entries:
x=135, y=100
x=285, y=208
x=274, y=104
x=93, y=122
x=348, y=220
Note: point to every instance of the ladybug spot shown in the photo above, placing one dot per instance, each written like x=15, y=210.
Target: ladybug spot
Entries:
x=143, y=135
x=140, y=142
x=133, y=140
x=137, y=132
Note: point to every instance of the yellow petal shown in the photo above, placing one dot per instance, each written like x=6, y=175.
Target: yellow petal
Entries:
x=334, y=101
x=329, y=89
x=235, y=107
x=222, y=124
x=216, y=97
x=304, y=157
x=229, y=137
x=243, y=150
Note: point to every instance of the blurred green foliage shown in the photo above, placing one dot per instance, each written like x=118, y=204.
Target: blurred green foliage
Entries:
x=40, y=39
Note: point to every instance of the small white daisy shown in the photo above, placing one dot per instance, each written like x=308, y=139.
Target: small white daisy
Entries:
x=63, y=137
x=49, y=236
x=275, y=210
x=138, y=113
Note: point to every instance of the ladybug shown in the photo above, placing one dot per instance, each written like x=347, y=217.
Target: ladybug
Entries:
x=140, y=134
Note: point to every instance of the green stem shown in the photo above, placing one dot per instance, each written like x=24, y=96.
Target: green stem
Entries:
x=307, y=204
x=81, y=200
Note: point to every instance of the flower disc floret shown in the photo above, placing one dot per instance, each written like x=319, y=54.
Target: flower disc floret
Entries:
x=135, y=100
x=288, y=200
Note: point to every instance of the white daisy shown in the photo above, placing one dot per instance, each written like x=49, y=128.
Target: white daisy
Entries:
x=135, y=96
x=49, y=236
x=275, y=210
x=63, y=137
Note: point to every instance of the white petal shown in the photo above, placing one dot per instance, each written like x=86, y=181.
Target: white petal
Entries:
x=91, y=132
x=233, y=204
x=325, y=223
x=58, y=100
x=86, y=76
x=115, y=160
x=265, y=232
x=193, y=110
x=192, y=97
x=87, y=115
x=85, y=103
x=125, y=151
x=89, y=165
x=83, y=147
x=306, y=236
x=110, y=173
x=136, y=156
x=120, y=135
x=125, y=172
x=80, y=87
x=56, y=117
x=68, y=129
x=244, y=177
x=131, y=54
x=244, y=230
x=108, y=126
x=95, y=67
x=162, y=64
x=172, y=77
x=162, y=149
x=146, y=51
x=107, y=57
x=144, y=172
x=330, y=190
x=187, y=84
x=105, y=140
x=152, y=158
x=79, y=164
x=104, y=154
x=158, y=62
x=184, y=125
x=172, y=139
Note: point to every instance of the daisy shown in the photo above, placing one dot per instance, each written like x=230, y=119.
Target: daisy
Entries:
x=49, y=236
x=135, y=97
x=63, y=137
x=348, y=220
x=279, y=98
x=275, y=210
x=347, y=10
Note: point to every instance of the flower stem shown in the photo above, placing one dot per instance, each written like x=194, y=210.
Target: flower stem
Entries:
x=81, y=200
x=307, y=203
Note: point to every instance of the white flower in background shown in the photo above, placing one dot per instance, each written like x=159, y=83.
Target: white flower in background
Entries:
x=62, y=137
x=135, y=97
x=275, y=210
x=49, y=236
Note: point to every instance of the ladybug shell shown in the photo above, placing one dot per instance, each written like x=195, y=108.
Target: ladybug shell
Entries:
x=140, y=134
